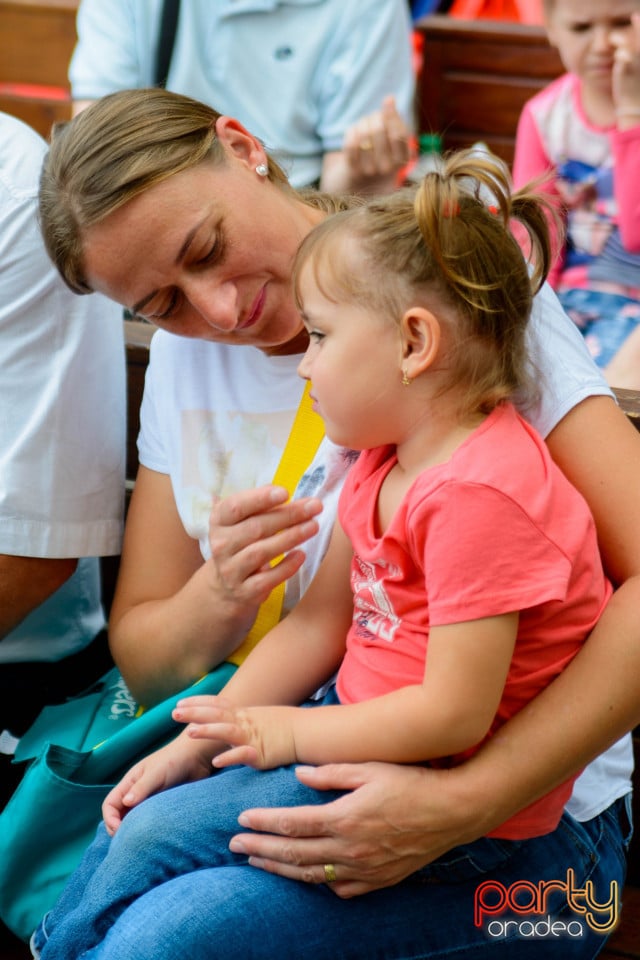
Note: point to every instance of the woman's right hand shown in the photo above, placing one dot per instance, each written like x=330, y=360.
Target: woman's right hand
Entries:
x=174, y=616
x=249, y=530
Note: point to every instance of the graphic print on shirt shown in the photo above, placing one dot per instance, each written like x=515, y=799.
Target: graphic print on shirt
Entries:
x=222, y=454
x=373, y=612
x=587, y=194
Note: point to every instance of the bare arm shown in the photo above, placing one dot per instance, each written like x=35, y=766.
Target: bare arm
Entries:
x=25, y=583
x=175, y=616
x=450, y=711
x=396, y=819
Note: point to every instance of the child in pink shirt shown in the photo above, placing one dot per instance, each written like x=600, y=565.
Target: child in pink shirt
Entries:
x=584, y=131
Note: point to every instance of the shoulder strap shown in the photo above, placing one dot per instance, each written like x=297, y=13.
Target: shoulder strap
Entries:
x=166, y=39
x=304, y=439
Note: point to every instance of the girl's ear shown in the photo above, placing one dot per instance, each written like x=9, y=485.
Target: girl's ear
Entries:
x=420, y=335
x=237, y=141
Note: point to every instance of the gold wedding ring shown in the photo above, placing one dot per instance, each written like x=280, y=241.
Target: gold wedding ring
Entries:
x=366, y=145
x=329, y=873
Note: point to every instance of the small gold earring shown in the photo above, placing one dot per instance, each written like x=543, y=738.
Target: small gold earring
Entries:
x=405, y=379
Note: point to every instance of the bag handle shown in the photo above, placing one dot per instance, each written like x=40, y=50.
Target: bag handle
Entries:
x=304, y=439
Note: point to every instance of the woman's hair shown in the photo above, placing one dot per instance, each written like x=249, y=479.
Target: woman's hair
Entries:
x=114, y=150
x=446, y=245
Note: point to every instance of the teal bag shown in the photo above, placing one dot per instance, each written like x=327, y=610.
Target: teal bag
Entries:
x=77, y=751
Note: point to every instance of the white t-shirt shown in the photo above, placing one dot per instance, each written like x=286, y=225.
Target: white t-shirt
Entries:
x=297, y=74
x=62, y=415
x=216, y=418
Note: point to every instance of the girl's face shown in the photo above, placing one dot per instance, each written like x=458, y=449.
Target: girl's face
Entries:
x=354, y=364
x=206, y=253
x=582, y=31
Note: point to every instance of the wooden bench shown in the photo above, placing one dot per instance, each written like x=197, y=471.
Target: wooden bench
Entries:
x=476, y=76
x=36, y=43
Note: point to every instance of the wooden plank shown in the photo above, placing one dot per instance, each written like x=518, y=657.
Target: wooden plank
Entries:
x=36, y=41
x=629, y=401
x=476, y=76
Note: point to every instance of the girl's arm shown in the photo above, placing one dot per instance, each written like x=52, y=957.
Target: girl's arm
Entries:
x=449, y=712
x=305, y=649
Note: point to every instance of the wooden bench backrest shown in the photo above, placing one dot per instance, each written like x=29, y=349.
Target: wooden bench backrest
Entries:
x=476, y=76
x=36, y=43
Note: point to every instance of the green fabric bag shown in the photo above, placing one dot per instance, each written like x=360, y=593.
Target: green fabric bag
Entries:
x=77, y=751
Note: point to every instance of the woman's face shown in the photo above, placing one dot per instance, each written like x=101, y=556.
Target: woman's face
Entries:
x=207, y=254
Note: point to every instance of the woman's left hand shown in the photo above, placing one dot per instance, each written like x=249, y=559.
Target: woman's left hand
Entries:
x=391, y=823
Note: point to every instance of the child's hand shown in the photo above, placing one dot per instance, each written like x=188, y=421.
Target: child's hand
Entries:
x=626, y=74
x=260, y=737
x=177, y=762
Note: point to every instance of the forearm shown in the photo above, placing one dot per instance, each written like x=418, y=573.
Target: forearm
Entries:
x=409, y=725
x=286, y=667
x=25, y=583
x=162, y=646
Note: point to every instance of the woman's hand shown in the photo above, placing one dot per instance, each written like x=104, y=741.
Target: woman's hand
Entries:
x=374, y=150
x=394, y=820
x=175, y=616
x=249, y=530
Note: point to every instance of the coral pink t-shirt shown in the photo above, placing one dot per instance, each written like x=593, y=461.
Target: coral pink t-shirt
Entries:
x=495, y=529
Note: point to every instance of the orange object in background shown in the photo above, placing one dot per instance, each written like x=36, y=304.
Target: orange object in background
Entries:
x=524, y=11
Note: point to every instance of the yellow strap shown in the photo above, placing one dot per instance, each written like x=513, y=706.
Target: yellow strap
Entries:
x=304, y=439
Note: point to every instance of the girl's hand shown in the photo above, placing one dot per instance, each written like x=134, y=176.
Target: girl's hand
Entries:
x=260, y=737
x=250, y=529
x=178, y=762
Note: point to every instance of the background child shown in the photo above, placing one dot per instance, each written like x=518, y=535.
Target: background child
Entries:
x=474, y=567
x=584, y=129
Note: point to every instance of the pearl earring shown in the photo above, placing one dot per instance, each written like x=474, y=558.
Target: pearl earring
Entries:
x=262, y=170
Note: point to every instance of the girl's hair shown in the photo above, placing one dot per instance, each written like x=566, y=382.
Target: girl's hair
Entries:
x=446, y=245
x=114, y=150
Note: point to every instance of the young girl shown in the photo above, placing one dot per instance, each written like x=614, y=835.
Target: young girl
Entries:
x=584, y=130
x=474, y=567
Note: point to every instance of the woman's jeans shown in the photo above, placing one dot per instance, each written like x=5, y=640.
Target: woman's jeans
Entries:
x=166, y=886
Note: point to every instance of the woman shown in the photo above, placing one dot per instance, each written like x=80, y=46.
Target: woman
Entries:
x=179, y=214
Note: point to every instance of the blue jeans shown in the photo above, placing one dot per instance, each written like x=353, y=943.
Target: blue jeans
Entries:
x=605, y=319
x=166, y=886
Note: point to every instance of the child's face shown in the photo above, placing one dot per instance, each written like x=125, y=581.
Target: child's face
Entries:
x=354, y=364
x=582, y=31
